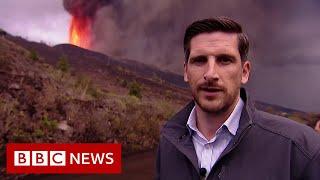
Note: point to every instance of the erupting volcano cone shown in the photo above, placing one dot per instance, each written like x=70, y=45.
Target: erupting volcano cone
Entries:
x=80, y=31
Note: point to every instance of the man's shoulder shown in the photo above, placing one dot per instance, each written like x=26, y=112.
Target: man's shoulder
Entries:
x=304, y=137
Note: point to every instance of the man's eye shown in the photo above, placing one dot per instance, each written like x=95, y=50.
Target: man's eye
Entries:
x=225, y=60
x=198, y=60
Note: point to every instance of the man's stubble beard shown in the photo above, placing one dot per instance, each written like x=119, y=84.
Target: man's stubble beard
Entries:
x=227, y=100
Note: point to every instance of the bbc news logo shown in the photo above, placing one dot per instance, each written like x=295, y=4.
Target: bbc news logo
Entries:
x=39, y=158
x=63, y=158
x=58, y=158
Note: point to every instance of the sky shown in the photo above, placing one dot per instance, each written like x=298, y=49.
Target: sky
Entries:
x=284, y=37
x=36, y=20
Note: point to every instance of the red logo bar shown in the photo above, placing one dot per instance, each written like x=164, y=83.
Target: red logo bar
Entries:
x=64, y=158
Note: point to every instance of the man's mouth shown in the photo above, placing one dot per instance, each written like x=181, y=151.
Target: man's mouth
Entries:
x=211, y=91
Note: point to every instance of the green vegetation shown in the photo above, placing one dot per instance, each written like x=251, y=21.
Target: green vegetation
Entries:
x=94, y=92
x=33, y=55
x=63, y=64
x=135, y=89
x=126, y=120
x=38, y=133
x=49, y=124
x=52, y=105
x=86, y=87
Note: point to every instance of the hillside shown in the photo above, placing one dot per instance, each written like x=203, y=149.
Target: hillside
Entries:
x=82, y=58
x=44, y=103
x=69, y=94
x=31, y=78
x=296, y=115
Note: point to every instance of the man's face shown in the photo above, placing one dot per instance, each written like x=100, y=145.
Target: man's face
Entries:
x=214, y=71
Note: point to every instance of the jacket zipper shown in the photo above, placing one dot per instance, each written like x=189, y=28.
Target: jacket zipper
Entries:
x=235, y=144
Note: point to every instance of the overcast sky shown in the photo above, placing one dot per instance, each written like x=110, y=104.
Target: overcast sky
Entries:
x=284, y=36
x=36, y=20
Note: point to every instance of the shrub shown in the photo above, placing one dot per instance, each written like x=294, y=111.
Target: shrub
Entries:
x=94, y=91
x=92, y=133
x=166, y=108
x=49, y=124
x=82, y=82
x=135, y=89
x=63, y=64
x=87, y=87
x=38, y=133
x=33, y=55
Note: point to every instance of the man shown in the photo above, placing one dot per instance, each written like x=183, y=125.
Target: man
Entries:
x=315, y=124
x=220, y=135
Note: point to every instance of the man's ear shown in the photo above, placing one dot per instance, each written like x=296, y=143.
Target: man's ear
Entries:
x=185, y=75
x=317, y=127
x=246, y=69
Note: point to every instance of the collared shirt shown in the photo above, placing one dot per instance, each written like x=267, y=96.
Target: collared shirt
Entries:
x=208, y=151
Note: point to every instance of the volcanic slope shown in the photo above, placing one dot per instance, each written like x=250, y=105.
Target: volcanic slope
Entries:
x=40, y=102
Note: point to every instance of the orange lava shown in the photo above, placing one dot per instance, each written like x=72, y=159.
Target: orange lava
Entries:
x=80, y=31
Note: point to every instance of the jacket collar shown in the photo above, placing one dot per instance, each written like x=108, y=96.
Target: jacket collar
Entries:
x=176, y=131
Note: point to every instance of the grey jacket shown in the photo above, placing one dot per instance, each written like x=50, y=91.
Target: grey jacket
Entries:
x=265, y=147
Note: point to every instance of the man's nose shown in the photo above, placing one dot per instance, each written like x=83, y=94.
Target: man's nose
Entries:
x=211, y=70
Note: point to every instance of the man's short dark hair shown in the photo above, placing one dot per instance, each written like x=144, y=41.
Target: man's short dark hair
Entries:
x=222, y=24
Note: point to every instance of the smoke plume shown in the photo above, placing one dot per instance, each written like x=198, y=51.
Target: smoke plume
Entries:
x=84, y=8
x=281, y=35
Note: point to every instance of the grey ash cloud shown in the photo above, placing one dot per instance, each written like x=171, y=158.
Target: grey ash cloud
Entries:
x=84, y=7
x=284, y=36
x=151, y=31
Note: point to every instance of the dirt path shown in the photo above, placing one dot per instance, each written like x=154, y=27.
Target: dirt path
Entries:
x=135, y=167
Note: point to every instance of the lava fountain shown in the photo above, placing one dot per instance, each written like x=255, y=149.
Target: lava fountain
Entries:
x=80, y=31
x=83, y=15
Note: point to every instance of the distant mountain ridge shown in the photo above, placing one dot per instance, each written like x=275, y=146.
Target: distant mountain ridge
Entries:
x=264, y=106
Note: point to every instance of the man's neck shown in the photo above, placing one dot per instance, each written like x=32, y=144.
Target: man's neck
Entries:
x=209, y=123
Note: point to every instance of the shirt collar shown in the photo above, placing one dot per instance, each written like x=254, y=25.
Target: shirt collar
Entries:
x=232, y=123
